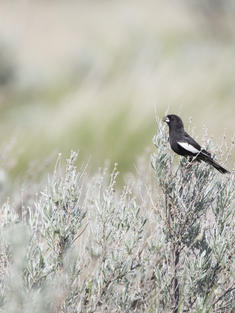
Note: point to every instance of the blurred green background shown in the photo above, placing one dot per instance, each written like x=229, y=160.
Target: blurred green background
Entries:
x=93, y=75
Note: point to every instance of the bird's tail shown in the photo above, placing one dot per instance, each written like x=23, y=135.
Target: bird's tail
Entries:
x=218, y=167
x=208, y=159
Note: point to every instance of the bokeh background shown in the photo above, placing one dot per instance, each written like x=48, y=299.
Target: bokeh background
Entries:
x=94, y=75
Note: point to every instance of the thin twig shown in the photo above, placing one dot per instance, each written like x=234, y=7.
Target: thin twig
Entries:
x=79, y=234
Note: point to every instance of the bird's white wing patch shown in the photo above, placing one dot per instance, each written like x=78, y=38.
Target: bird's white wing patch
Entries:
x=188, y=147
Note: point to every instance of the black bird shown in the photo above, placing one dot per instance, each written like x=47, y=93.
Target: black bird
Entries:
x=182, y=144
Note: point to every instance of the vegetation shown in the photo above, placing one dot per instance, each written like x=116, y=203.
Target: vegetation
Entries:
x=156, y=237
x=163, y=243
x=93, y=80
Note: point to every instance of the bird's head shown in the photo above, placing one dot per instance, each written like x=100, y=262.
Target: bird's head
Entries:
x=173, y=120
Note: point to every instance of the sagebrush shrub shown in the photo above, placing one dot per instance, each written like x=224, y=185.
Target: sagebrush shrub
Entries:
x=164, y=244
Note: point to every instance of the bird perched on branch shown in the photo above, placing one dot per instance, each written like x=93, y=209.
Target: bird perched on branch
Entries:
x=182, y=144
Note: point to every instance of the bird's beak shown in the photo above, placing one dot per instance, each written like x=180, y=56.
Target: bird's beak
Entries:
x=166, y=119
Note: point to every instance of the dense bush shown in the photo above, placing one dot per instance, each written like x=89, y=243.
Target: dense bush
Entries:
x=164, y=244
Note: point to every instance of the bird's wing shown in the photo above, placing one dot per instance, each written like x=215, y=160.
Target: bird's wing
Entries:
x=189, y=144
x=188, y=147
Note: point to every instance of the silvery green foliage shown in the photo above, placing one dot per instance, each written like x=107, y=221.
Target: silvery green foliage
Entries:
x=198, y=225
x=162, y=243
